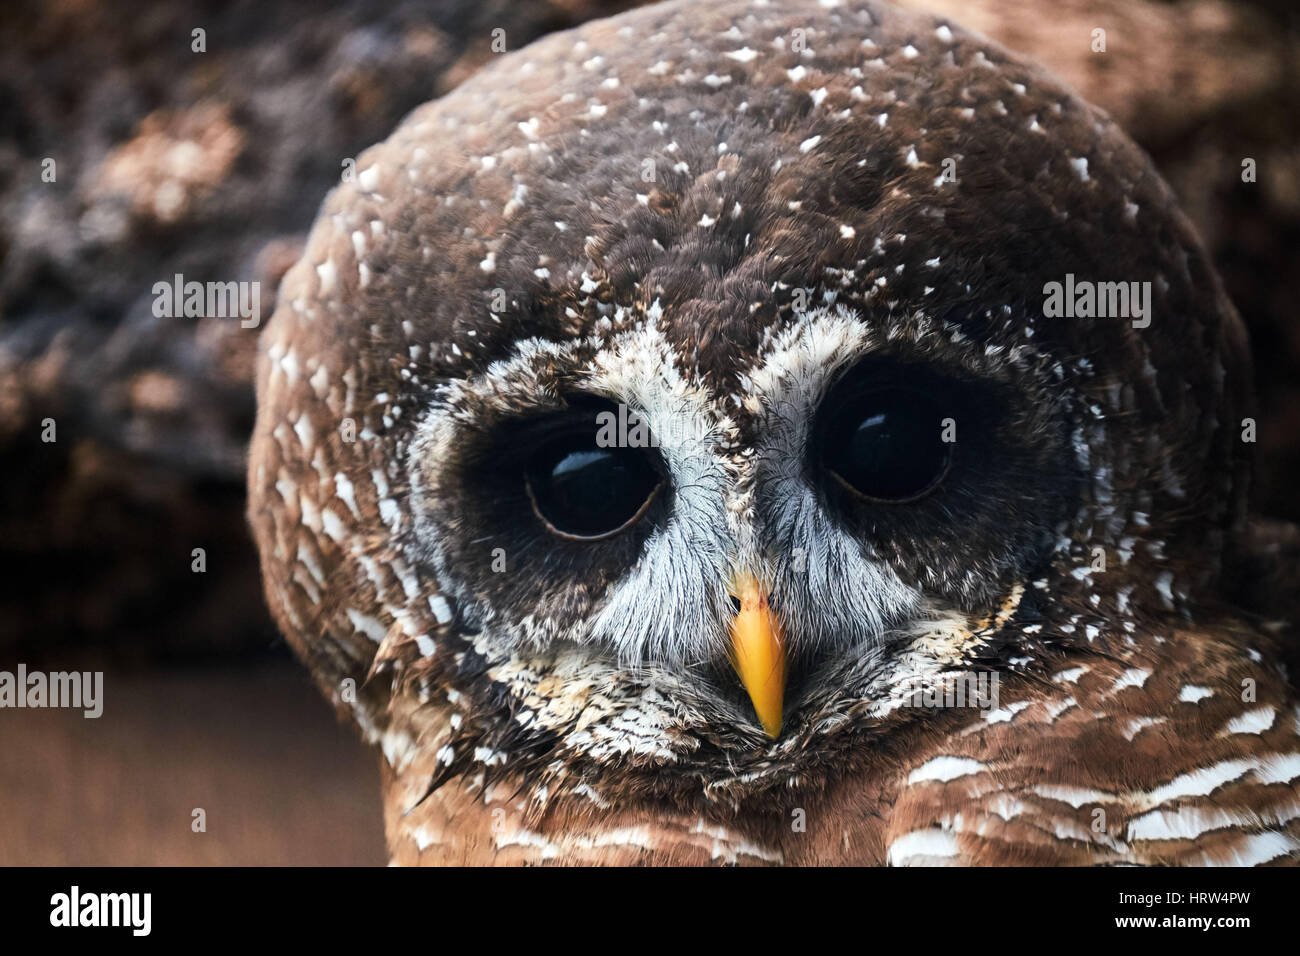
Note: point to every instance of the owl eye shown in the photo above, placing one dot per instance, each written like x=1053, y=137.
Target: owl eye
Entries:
x=584, y=492
x=885, y=444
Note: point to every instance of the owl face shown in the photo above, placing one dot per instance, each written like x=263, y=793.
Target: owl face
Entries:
x=869, y=480
x=706, y=403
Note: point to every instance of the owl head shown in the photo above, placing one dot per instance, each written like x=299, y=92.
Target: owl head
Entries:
x=656, y=413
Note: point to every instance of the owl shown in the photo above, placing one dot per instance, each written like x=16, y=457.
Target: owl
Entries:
x=758, y=433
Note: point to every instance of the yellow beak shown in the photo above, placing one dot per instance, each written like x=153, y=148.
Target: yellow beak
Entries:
x=757, y=653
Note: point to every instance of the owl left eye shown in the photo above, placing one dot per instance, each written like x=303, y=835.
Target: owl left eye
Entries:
x=585, y=492
x=885, y=444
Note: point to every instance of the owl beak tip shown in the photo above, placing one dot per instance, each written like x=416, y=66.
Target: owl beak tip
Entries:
x=758, y=654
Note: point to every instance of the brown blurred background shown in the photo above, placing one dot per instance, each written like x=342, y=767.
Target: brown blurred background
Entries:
x=212, y=165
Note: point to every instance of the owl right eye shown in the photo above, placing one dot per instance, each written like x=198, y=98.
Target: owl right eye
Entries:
x=584, y=492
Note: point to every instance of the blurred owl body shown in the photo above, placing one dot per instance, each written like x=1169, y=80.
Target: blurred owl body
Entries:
x=738, y=221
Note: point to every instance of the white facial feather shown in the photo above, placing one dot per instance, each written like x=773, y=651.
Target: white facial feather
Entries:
x=827, y=585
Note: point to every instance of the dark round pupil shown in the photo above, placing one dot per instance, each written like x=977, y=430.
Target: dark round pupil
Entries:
x=587, y=491
x=887, y=444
